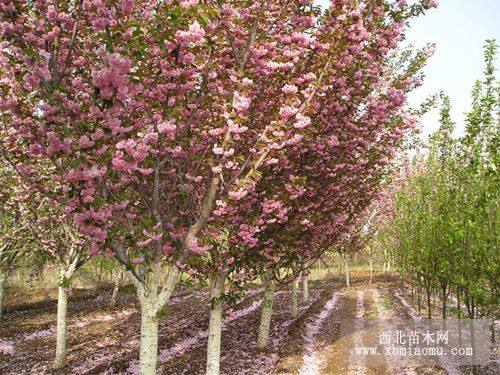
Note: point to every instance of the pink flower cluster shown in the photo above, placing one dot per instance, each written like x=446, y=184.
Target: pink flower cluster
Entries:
x=113, y=79
x=240, y=102
x=194, y=34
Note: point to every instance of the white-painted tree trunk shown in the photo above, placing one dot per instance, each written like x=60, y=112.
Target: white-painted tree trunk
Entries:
x=293, y=300
x=305, y=288
x=2, y=286
x=347, y=278
x=72, y=262
x=62, y=312
x=371, y=270
x=387, y=264
x=149, y=336
x=215, y=326
x=151, y=303
x=266, y=314
x=116, y=288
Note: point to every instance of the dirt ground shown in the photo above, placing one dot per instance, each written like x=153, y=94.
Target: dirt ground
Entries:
x=104, y=340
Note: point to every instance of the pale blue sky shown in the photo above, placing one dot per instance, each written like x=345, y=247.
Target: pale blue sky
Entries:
x=459, y=29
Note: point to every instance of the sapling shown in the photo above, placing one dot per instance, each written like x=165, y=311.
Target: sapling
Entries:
x=116, y=287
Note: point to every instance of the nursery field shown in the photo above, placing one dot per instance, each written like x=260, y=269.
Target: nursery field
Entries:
x=308, y=344
x=248, y=188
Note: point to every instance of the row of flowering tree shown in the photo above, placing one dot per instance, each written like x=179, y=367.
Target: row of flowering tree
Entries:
x=443, y=233
x=219, y=138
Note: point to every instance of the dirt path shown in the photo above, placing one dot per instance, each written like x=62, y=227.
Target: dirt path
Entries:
x=324, y=347
x=312, y=363
x=104, y=340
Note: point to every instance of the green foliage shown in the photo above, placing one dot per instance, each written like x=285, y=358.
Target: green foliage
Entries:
x=443, y=237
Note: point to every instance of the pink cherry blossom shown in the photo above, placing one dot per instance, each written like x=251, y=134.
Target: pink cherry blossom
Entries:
x=194, y=34
x=289, y=89
x=240, y=102
x=301, y=121
x=127, y=6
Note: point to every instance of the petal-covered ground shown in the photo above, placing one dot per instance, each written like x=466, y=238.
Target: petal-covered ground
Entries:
x=104, y=340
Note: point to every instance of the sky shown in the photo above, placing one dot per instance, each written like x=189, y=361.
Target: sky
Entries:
x=459, y=28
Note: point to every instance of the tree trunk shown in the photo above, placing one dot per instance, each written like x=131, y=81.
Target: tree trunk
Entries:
x=371, y=270
x=429, y=302
x=305, y=288
x=266, y=314
x=412, y=293
x=2, y=286
x=62, y=312
x=467, y=302
x=71, y=264
x=100, y=272
x=444, y=306
x=386, y=266
x=149, y=336
x=151, y=303
x=293, y=303
x=215, y=325
x=116, y=288
x=347, y=278
x=419, y=300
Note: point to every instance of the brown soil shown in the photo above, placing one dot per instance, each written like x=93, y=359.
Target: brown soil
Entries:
x=104, y=339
